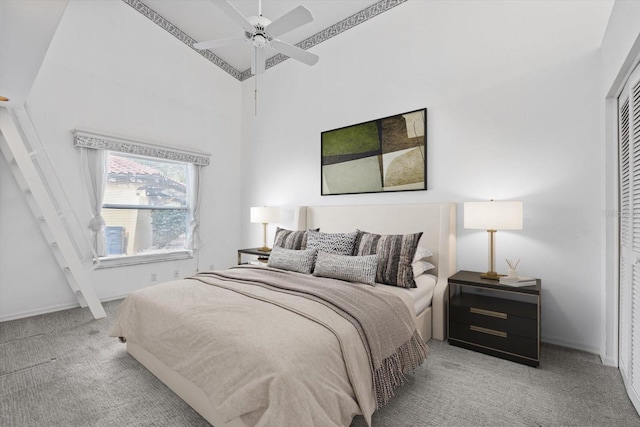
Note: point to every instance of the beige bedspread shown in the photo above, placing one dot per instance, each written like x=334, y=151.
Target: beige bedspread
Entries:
x=224, y=342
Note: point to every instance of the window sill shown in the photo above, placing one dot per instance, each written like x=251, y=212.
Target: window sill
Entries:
x=121, y=261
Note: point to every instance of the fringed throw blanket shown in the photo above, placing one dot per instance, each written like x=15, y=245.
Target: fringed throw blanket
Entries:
x=384, y=324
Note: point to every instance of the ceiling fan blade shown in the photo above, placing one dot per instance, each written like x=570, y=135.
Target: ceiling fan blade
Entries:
x=294, y=52
x=212, y=44
x=289, y=21
x=234, y=14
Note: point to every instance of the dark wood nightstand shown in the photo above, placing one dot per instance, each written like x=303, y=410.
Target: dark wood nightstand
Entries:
x=494, y=319
x=262, y=255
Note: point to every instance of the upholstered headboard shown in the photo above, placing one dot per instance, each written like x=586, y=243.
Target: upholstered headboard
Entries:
x=437, y=221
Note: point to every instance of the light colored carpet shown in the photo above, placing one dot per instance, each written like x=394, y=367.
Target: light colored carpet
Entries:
x=62, y=369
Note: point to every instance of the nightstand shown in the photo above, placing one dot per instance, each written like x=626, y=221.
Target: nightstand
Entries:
x=262, y=256
x=494, y=319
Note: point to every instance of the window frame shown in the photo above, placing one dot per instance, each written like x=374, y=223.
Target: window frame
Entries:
x=134, y=148
x=142, y=258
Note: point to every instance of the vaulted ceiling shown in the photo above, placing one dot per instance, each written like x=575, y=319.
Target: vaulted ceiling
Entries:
x=27, y=27
x=202, y=20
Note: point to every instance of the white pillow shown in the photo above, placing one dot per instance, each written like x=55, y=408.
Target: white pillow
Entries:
x=421, y=253
x=421, y=266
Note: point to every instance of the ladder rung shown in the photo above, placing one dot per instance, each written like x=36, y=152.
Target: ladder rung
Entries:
x=38, y=181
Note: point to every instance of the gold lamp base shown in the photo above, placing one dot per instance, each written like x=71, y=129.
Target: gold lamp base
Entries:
x=264, y=249
x=491, y=275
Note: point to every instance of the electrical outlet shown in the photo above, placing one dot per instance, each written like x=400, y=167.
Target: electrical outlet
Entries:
x=153, y=277
x=176, y=274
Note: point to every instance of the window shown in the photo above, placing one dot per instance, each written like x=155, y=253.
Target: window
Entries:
x=144, y=198
x=145, y=205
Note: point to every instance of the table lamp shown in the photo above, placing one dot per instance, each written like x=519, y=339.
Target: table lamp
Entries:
x=265, y=216
x=493, y=216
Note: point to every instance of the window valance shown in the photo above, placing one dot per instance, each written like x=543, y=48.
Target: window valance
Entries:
x=103, y=142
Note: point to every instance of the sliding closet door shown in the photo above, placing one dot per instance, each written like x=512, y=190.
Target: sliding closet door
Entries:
x=629, y=166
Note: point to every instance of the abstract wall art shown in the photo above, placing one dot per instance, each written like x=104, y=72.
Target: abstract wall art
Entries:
x=383, y=155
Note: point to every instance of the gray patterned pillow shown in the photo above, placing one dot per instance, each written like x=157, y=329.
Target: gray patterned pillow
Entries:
x=291, y=239
x=301, y=261
x=333, y=243
x=346, y=267
x=395, y=255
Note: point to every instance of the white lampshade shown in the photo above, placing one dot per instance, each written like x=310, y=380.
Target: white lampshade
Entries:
x=265, y=215
x=493, y=215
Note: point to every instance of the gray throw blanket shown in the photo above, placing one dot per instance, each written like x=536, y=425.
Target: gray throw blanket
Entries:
x=385, y=325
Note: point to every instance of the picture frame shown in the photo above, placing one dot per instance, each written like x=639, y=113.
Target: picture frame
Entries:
x=377, y=156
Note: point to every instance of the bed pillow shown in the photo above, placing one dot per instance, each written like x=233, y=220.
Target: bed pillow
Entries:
x=395, y=256
x=347, y=267
x=333, y=243
x=422, y=253
x=290, y=239
x=301, y=261
x=420, y=267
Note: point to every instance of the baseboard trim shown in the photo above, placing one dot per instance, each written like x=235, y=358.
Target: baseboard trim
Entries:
x=50, y=309
x=38, y=311
x=609, y=361
x=576, y=346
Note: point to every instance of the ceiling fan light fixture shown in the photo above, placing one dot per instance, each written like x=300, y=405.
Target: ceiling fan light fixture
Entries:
x=259, y=40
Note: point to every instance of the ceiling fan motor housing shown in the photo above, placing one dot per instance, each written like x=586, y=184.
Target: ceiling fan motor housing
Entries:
x=260, y=37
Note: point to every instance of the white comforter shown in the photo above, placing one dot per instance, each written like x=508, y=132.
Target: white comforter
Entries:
x=270, y=358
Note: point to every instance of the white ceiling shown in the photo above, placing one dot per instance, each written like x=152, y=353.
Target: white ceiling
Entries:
x=203, y=20
x=535, y=27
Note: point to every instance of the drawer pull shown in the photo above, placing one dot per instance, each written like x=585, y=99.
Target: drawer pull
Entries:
x=483, y=312
x=488, y=331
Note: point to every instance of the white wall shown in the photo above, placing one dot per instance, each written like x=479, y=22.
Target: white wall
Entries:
x=620, y=54
x=111, y=70
x=512, y=91
x=25, y=26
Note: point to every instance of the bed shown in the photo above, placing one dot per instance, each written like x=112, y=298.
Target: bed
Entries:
x=227, y=392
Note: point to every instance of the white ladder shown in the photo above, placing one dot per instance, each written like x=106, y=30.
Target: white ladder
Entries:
x=60, y=226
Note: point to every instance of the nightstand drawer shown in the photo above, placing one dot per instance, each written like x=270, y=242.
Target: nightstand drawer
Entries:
x=494, y=338
x=496, y=320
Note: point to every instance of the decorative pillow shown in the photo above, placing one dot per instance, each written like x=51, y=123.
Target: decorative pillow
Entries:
x=422, y=253
x=420, y=267
x=346, y=267
x=333, y=243
x=395, y=256
x=301, y=261
x=291, y=239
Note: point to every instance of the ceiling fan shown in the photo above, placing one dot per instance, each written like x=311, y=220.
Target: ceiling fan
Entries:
x=262, y=32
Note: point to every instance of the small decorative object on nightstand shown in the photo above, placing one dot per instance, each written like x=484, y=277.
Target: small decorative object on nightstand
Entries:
x=262, y=256
x=495, y=319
